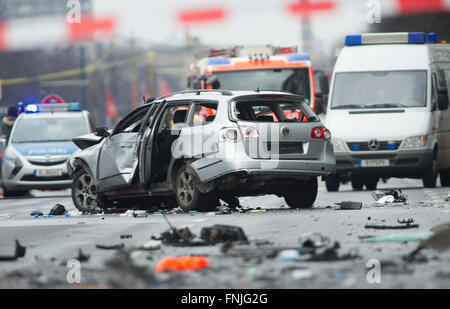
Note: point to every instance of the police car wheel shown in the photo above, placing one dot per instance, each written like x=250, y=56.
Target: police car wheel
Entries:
x=84, y=191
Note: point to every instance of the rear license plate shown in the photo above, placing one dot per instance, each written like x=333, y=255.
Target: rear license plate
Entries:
x=285, y=148
x=48, y=173
x=373, y=163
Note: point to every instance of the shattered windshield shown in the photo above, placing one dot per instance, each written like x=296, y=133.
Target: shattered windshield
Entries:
x=383, y=89
x=295, y=81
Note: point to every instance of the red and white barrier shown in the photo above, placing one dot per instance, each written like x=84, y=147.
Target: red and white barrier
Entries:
x=38, y=33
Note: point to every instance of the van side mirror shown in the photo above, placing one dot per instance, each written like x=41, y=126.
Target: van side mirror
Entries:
x=442, y=101
x=322, y=84
x=101, y=132
x=321, y=104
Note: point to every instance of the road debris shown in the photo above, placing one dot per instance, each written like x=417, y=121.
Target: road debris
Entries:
x=330, y=253
x=290, y=255
x=82, y=257
x=184, y=263
x=58, y=210
x=37, y=214
x=126, y=236
x=439, y=241
x=139, y=214
x=349, y=205
x=223, y=233
x=314, y=240
x=18, y=253
x=384, y=198
x=404, y=224
x=223, y=210
x=302, y=274
x=151, y=245
x=399, y=237
x=110, y=247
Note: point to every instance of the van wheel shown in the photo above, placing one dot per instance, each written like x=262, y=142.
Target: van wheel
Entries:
x=304, y=197
x=84, y=192
x=371, y=183
x=357, y=182
x=332, y=183
x=445, y=178
x=430, y=178
x=186, y=190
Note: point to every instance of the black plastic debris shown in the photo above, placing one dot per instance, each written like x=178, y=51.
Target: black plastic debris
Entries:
x=349, y=205
x=37, y=213
x=18, y=253
x=126, y=236
x=58, y=210
x=223, y=233
x=403, y=224
x=314, y=240
x=110, y=247
x=82, y=257
x=330, y=253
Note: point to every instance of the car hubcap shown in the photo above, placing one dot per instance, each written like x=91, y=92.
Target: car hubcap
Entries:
x=85, y=191
x=185, y=187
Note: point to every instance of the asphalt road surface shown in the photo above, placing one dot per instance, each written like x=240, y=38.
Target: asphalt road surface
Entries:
x=51, y=242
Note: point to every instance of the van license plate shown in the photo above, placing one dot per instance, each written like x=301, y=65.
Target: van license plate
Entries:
x=373, y=163
x=48, y=173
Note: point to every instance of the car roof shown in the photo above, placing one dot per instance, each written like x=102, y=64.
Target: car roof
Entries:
x=219, y=93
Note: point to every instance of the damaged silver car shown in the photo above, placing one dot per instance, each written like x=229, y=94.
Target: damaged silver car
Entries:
x=193, y=148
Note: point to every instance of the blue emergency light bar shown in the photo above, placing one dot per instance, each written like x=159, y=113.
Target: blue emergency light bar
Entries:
x=389, y=38
x=56, y=107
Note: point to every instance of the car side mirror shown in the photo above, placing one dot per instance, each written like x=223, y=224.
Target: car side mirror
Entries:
x=101, y=132
x=442, y=101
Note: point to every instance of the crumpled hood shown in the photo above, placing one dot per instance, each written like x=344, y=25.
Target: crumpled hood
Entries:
x=46, y=148
x=381, y=126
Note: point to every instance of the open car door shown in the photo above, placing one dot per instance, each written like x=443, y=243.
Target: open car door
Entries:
x=118, y=157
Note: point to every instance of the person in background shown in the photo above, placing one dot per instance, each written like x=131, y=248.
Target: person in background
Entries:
x=8, y=121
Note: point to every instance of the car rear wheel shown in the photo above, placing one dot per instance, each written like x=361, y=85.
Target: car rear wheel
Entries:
x=371, y=183
x=332, y=183
x=303, y=197
x=445, y=178
x=84, y=191
x=357, y=182
x=430, y=178
x=187, y=193
x=14, y=193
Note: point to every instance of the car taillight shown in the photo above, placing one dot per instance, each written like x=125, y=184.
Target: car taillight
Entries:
x=249, y=132
x=317, y=132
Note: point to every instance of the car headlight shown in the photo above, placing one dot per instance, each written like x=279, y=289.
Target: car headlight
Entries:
x=415, y=142
x=15, y=160
x=339, y=145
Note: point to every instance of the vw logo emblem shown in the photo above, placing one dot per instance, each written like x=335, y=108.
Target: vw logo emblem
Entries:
x=285, y=131
x=374, y=145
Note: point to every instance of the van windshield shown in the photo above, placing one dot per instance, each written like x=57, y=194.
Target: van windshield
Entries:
x=383, y=89
x=48, y=129
x=295, y=81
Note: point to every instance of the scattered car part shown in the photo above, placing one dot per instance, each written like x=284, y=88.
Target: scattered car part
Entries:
x=223, y=233
x=223, y=210
x=82, y=257
x=349, y=205
x=151, y=245
x=110, y=247
x=314, y=240
x=399, y=237
x=404, y=224
x=37, y=213
x=58, y=210
x=18, y=253
x=126, y=236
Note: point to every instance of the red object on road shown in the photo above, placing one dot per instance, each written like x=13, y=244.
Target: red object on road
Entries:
x=202, y=15
x=184, y=263
x=409, y=7
x=306, y=8
x=111, y=109
x=52, y=99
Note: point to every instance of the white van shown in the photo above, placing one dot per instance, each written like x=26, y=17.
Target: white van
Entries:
x=388, y=110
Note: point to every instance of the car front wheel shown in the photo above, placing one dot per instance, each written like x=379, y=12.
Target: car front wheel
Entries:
x=84, y=191
x=304, y=197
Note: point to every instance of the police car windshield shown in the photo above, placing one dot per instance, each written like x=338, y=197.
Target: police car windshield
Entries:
x=295, y=81
x=384, y=89
x=48, y=129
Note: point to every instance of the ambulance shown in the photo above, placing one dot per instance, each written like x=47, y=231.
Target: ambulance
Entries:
x=388, y=110
x=263, y=67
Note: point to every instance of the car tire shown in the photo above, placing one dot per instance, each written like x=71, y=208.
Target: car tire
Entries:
x=188, y=196
x=332, y=183
x=371, y=183
x=430, y=178
x=305, y=197
x=357, y=182
x=84, y=192
x=445, y=178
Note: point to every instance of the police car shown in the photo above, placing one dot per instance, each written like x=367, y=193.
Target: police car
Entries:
x=39, y=145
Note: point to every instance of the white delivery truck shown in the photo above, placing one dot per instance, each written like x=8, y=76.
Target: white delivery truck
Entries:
x=388, y=110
